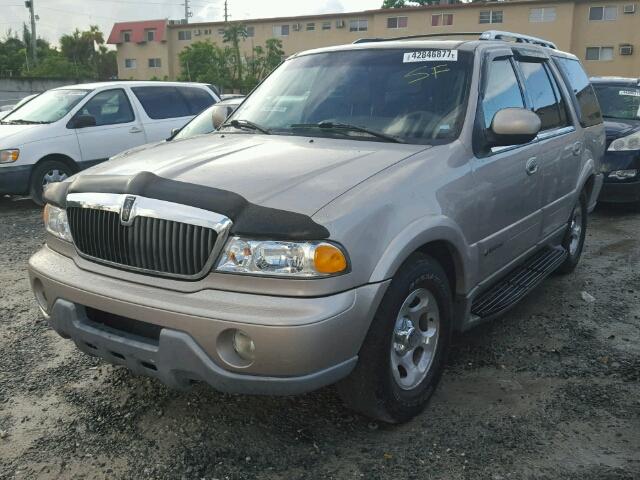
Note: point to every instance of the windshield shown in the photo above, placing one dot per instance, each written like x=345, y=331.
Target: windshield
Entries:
x=205, y=121
x=48, y=107
x=619, y=101
x=413, y=96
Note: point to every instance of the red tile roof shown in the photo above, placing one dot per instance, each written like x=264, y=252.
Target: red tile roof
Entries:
x=137, y=31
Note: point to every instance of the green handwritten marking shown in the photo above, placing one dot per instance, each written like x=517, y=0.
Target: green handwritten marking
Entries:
x=424, y=72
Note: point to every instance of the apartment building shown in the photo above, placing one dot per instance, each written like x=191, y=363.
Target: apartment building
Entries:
x=604, y=35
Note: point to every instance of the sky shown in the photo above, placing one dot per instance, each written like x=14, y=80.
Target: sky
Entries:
x=62, y=16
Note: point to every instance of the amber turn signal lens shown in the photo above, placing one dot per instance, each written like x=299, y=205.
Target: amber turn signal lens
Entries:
x=329, y=259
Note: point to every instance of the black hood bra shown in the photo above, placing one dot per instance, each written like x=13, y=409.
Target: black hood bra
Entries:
x=248, y=219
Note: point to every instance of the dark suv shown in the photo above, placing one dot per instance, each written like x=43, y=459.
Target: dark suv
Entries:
x=620, y=101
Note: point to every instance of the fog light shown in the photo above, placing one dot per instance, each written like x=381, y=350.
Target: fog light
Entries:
x=243, y=345
x=623, y=174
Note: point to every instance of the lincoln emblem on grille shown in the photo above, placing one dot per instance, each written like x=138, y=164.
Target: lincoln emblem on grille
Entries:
x=127, y=207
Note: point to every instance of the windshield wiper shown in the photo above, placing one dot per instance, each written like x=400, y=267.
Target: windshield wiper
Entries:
x=248, y=125
x=348, y=127
x=22, y=122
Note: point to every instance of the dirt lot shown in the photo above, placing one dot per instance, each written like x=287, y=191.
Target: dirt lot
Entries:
x=550, y=391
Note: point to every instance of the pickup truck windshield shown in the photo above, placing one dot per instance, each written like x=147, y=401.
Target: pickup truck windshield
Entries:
x=405, y=95
x=619, y=101
x=49, y=107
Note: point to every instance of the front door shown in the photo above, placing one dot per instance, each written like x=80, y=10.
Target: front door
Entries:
x=509, y=216
x=116, y=129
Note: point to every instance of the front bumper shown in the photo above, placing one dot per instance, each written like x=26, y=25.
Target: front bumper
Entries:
x=301, y=343
x=620, y=191
x=14, y=180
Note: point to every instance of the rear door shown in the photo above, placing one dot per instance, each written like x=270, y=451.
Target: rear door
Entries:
x=117, y=126
x=167, y=107
x=559, y=146
x=509, y=216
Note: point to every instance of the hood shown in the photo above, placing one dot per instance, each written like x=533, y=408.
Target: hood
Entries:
x=15, y=135
x=298, y=174
x=620, y=128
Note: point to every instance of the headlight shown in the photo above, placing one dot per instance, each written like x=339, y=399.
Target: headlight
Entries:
x=623, y=174
x=9, y=156
x=630, y=142
x=56, y=223
x=282, y=259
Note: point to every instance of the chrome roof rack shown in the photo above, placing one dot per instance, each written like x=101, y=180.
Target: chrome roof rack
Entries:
x=516, y=37
x=422, y=35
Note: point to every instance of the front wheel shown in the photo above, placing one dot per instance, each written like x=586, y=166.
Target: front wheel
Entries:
x=47, y=172
x=403, y=355
x=575, y=235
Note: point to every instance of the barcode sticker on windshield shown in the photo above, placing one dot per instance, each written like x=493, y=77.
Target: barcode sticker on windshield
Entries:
x=630, y=93
x=431, y=56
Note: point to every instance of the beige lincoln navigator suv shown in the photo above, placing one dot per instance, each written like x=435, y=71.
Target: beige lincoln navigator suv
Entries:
x=361, y=205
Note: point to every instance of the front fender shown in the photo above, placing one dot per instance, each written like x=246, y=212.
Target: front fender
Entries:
x=424, y=230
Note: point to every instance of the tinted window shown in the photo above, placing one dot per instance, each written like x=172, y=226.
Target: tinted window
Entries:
x=108, y=108
x=502, y=90
x=619, y=101
x=197, y=99
x=544, y=99
x=578, y=82
x=162, y=102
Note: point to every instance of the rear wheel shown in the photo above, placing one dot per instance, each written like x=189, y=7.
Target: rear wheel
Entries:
x=47, y=172
x=576, y=233
x=403, y=355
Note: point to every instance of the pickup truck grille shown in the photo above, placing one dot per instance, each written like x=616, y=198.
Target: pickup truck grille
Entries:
x=148, y=244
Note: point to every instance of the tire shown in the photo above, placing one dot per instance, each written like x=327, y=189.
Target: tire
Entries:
x=573, y=240
x=376, y=387
x=49, y=171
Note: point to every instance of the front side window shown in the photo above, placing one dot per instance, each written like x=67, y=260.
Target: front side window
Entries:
x=501, y=91
x=546, y=14
x=184, y=35
x=48, y=107
x=605, y=13
x=397, y=22
x=599, y=53
x=421, y=102
x=576, y=78
x=619, y=101
x=544, y=95
x=360, y=25
x=108, y=108
x=162, y=102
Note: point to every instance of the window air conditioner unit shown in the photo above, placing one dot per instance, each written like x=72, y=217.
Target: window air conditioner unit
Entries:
x=626, y=49
x=296, y=27
x=339, y=23
x=631, y=8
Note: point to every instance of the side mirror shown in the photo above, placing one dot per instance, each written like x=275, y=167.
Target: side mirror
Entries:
x=513, y=126
x=219, y=115
x=174, y=132
x=83, y=121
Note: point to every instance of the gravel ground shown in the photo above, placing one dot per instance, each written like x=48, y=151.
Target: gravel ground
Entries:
x=552, y=390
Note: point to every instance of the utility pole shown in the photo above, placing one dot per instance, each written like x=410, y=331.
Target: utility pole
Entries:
x=187, y=11
x=226, y=12
x=29, y=5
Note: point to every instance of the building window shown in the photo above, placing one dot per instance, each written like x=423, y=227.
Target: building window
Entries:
x=154, y=63
x=359, y=25
x=126, y=36
x=130, y=63
x=311, y=27
x=221, y=31
x=281, y=30
x=207, y=31
x=547, y=14
x=599, y=53
x=251, y=31
x=491, y=16
x=397, y=22
x=608, y=13
x=440, y=19
x=326, y=25
x=150, y=35
x=184, y=35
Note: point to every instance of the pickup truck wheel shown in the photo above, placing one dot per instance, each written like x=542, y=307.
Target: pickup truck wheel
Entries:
x=47, y=172
x=574, y=237
x=403, y=355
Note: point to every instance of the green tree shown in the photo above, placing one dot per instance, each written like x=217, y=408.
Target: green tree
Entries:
x=262, y=62
x=233, y=34
x=206, y=62
x=13, y=55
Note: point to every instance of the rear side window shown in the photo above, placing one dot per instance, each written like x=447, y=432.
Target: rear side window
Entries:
x=197, y=99
x=544, y=95
x=577, y=80
x=502, y=90
x=162, y=102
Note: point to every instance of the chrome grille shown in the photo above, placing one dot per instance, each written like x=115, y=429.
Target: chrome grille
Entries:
x=146, y=242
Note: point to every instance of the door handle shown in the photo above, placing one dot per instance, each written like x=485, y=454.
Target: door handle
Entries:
x=531, y=166
x=577, y=148
x=135, y=130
